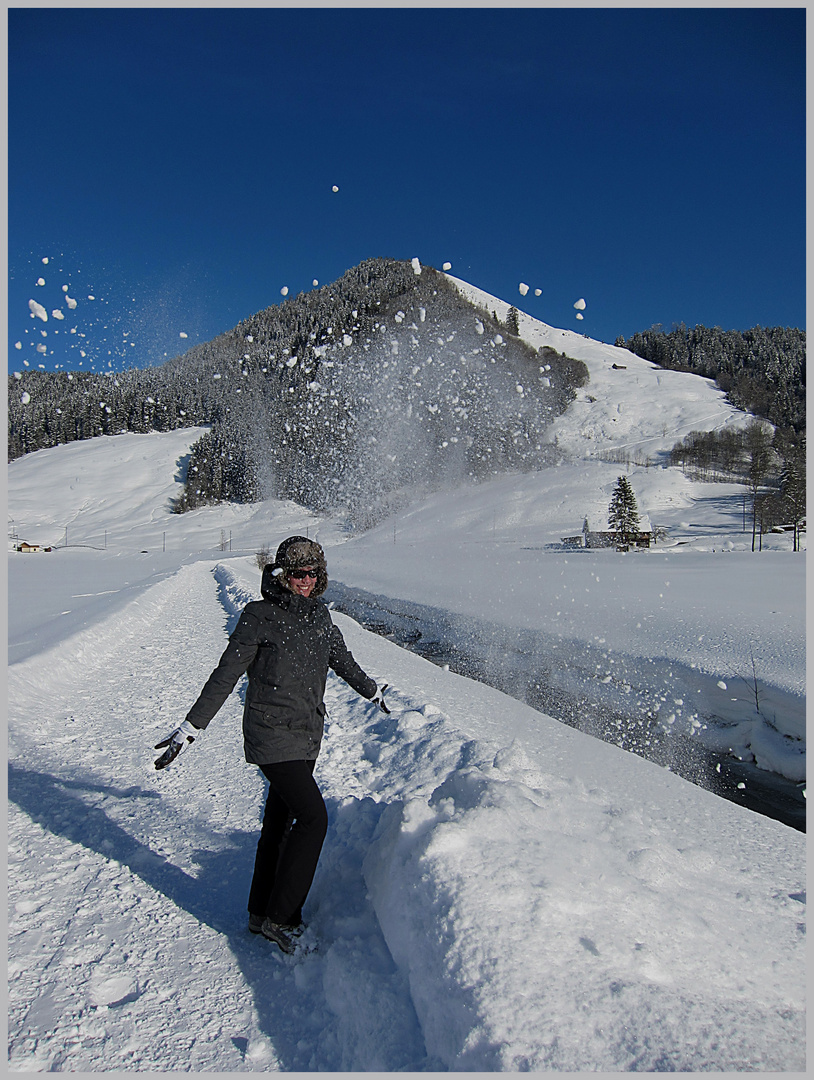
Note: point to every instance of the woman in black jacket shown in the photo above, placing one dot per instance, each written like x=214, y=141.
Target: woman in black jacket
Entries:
x=285, y=643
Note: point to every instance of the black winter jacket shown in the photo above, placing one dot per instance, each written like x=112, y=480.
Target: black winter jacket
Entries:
x=285, y=643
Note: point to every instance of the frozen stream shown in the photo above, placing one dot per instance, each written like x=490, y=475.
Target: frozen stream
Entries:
x=560, y=679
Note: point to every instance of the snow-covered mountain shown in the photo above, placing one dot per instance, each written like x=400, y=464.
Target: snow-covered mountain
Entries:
x=499, y=891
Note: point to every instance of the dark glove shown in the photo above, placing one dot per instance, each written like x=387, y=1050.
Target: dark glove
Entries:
x=378, y=698
x=178, y=741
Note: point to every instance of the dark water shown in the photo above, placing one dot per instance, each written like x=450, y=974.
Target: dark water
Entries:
x=515, y=662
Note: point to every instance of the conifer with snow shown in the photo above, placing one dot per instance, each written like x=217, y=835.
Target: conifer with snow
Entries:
x=623, y=513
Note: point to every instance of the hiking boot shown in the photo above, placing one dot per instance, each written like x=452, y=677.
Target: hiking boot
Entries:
x=276, y=933
x=256, y=923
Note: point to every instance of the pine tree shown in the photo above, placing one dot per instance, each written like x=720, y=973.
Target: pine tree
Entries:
x=623, y=513
x=512, y=322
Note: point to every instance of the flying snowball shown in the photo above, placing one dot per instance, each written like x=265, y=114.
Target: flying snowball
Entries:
x=57, y=314
x=284, y=290
x=64, y=288
x=91, y=298
x=580, y=315
x=182, y=334
x=334, y=188
x=416, y=266
x=18, y=344
x=722, y=685
x=580, y=305
x=523, y=287
x=40, y=280
x=25, y=398
x=38, y=310
x=538, y=292
x=447, y=266
x=45, y=261
x=347, y=339
x=42, y=349
x=70, y=302
x=315, y=283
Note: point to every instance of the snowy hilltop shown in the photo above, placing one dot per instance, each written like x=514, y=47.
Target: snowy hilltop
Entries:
x=536, y=874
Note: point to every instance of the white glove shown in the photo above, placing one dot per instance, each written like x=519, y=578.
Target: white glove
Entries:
x=378, y=698
x=178, y=741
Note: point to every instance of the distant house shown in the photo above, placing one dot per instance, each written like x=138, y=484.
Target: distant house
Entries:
x=25, y=546
x=590, y=539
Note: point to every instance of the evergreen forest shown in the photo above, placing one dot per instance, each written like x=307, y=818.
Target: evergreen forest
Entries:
x=762, y=370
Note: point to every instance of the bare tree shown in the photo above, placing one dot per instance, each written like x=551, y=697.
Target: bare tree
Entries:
x=793, y=489
x=759, y=458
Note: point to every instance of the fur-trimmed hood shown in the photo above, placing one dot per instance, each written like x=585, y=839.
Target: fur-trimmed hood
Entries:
x=299, y=551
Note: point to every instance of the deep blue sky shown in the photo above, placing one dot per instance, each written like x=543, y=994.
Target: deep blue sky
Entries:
x=178, y=165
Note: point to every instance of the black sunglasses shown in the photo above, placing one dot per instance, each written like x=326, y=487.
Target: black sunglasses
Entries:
x=303, y=573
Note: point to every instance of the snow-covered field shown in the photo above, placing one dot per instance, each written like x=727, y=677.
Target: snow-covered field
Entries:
x=498, y=891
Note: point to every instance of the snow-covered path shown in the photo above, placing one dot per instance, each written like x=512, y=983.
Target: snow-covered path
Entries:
x=497, y=891
x=128, y=888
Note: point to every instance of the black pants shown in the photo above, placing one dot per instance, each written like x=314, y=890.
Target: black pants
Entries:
x=295, y=822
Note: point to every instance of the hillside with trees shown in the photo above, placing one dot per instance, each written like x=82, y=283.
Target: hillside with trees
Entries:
x=384, y=383
x=762, y=370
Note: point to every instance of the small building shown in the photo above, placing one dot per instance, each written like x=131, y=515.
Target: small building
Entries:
x=607, y=539
x=24, y=546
